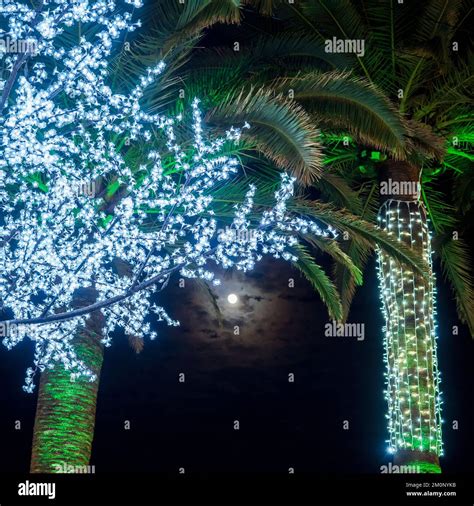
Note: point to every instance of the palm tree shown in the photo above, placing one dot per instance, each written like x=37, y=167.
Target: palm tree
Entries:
x=417, y=55
x=419, y=43
x=284, y=136
x=65, y=412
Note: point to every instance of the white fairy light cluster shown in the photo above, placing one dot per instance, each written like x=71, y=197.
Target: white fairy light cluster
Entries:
x=62, y=126
x=408, y=304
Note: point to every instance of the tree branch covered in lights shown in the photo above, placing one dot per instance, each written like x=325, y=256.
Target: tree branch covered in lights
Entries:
x=63, y=128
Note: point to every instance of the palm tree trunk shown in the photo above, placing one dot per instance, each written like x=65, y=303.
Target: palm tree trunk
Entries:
x=408, y=303
x=65, y=413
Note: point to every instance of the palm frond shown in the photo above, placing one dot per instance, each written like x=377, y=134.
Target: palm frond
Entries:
x=264, y=7
x=342, y=100
x=359, y=251
x=437, y=15
x=290, y=45
x=441, y=213
x=176, y=22
x=357, y=248
x=343, y=220
x=463, y=190
x=334, y=249
x=447, y=94
x=280, y=129
x=452, y=250
x=211, y=296
x=424, y=141
x=319, y=280
x=336, y=190
x=456, y=262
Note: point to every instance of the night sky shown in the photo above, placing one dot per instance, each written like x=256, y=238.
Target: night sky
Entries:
x=245, y=377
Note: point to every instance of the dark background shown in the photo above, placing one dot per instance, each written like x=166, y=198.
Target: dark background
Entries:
x=245, y=378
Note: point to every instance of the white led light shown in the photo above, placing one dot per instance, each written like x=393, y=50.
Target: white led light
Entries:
x=62, y=125
x=408, y=305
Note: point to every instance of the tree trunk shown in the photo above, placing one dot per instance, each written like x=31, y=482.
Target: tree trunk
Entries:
x=408, y=304
x=65, y=413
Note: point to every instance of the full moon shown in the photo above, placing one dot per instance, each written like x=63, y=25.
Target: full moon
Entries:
x=232, y=298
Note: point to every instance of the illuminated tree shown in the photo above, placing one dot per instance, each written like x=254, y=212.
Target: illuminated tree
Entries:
x=102, y=201
x=418, y=56
x=64, y=132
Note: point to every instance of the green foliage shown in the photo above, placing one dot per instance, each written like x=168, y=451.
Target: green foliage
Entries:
x=344, y=101
x=452, y=251
x=288, y=88
x=408, y=47
x=281, y=129
x=320, y=281
x=362, y=229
